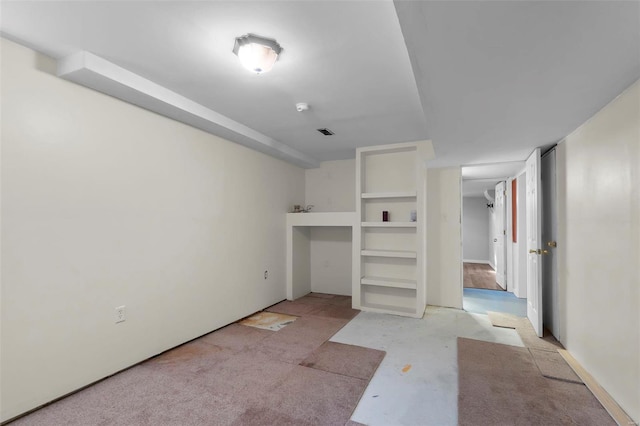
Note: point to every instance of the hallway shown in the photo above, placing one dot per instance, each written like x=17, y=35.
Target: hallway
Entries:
x=482, y=301
x=482, y=294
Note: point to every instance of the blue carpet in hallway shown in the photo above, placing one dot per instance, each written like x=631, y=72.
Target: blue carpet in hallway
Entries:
x=479, y=301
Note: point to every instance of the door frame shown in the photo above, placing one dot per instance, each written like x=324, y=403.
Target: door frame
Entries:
x=520, y=284
x=550, y=283
x=509, y=238
x=500, y=233
x=534, y=242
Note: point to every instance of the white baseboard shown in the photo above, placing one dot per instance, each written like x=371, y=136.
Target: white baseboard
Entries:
x=517, y=293
x=485, y=262
x=492, y=265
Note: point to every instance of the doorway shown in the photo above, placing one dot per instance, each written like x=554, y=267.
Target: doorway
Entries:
x=489, y=280
x=478, y=189
x=484, y=256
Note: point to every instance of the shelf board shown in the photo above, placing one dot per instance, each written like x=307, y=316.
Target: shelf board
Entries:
x=389, y=309
x=389, y=224
x=389, y=282
x=399, y=194
x=390, y=253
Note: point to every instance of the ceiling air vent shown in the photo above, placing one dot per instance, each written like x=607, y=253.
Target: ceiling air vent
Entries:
x=326, y=132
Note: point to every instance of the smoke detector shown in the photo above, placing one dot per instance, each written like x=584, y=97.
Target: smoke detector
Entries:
x=302, y=106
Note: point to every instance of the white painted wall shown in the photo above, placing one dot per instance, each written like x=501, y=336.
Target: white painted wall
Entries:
x=106, y=204
x=444, y=239
x=301, y=259
x=475, y=230
x=599, y=248
x=331, y=260
x=331, y=188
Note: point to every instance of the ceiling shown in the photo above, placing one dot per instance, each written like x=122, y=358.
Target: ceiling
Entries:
x=486, y=81
x=478, y=178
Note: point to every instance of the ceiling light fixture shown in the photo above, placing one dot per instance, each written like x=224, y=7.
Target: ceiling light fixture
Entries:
x=257, y=54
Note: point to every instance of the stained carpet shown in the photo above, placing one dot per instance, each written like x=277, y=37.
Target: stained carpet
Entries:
x=501, y=385
x=544, y=350
x=268, y=321
x=237, y=375
x=347, y=360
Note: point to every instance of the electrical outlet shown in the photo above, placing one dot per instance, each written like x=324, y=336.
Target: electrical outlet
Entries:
x=266, y=275
x=121, y=314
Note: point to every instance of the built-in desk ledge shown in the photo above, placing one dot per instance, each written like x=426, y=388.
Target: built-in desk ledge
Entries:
x=322, y=219
x=389, y=224
x=300, y=245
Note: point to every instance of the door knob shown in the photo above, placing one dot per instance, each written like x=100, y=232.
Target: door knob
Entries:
x=545, y=251
x=552, y=244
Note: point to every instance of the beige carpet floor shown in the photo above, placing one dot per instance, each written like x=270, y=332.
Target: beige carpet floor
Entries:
x=502, y=385
x=544, y=351
x=510, y=385
x=237, y=375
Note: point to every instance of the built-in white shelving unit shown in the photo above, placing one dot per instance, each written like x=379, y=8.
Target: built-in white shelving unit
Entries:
x=386, y=282
x=389, y=265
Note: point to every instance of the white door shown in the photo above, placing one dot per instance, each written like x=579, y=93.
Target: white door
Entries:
x=534, y=238
x=549, y=260
x=499, y=233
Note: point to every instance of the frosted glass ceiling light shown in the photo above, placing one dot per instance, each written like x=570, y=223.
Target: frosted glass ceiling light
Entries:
x=257, y=54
